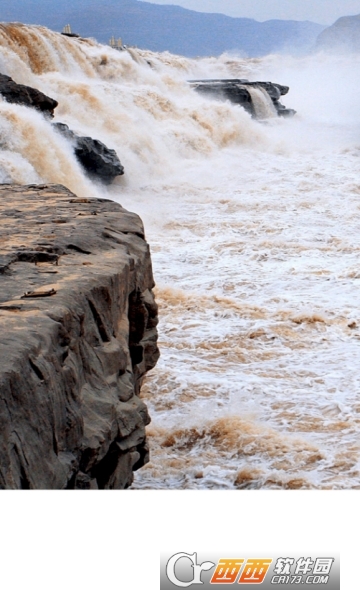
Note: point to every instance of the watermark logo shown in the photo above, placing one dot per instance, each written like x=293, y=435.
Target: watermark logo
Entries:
x=317, y=571
x=227, y=570
x=170, y=569
x=183, y=570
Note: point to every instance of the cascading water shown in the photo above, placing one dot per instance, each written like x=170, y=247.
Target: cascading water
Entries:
x=149, y=116
x=263, y=105
x=253, y=231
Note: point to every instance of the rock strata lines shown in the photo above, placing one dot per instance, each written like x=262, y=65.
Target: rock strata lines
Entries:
x=77, y=335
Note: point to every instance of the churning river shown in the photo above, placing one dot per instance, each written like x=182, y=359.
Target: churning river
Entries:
x=254, y=233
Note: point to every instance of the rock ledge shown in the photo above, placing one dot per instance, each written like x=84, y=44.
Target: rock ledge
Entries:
x=77, y=335
x=238, y=91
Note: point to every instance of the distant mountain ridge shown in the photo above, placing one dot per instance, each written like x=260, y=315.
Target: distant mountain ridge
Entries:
x=343, y=34
x=164, y=27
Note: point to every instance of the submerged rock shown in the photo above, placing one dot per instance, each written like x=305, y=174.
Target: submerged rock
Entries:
x=77, y=335
x=239, y=91
x=22, y=94
x=96, y=158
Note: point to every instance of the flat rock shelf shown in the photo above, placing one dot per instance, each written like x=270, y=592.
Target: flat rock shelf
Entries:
x=77, y=335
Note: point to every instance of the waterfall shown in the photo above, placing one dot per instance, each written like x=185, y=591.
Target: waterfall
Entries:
x=149, y=116
x=262, y=103
x=253, y=235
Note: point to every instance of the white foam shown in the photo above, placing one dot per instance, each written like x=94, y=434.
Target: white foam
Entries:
x=254, y=238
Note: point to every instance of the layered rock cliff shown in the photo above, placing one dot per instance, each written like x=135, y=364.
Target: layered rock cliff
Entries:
x=77, y=335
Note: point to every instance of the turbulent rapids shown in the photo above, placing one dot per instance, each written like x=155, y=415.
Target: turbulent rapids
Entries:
x=253, y=228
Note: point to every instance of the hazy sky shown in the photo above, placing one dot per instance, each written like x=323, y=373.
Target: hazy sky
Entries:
x=320, y=11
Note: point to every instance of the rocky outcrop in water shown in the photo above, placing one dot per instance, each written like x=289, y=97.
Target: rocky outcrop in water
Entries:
x=98, y=160
x=28, y=96
x=77, y=335
x=238, y=92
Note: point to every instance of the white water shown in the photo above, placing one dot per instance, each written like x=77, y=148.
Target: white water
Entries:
x=261, y=101
x=253, y=229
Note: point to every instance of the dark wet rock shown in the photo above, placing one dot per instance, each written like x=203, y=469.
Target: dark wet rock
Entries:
x=28, y=96
x=70, y=35
x=98, y=160
x=73, y=353
x=238, y=92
